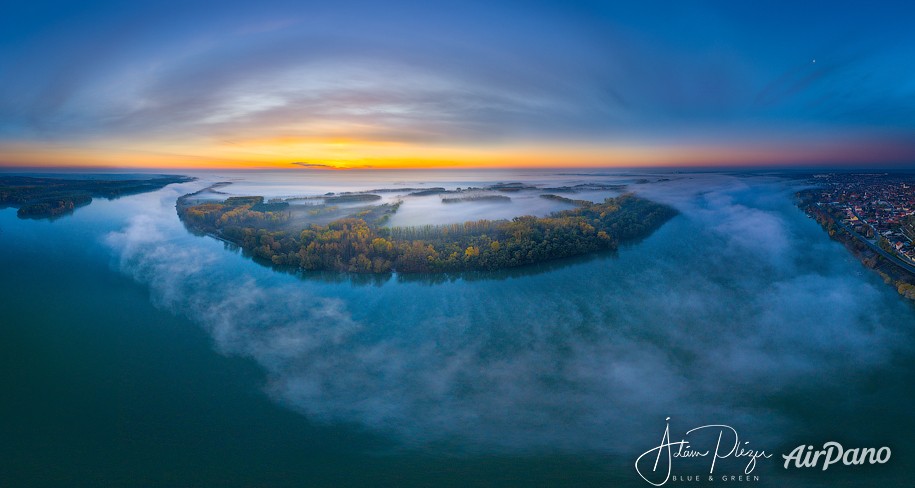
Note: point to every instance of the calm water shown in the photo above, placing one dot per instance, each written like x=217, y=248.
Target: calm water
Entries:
x=136, y=354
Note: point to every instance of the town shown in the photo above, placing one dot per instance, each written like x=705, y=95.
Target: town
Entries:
x=878, y=207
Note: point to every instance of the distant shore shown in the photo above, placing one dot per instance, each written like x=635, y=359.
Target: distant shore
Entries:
x=38, y=197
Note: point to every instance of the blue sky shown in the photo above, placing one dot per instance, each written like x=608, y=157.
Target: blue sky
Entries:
x=438, y=83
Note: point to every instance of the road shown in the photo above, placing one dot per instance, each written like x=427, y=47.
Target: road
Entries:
x=892, y=257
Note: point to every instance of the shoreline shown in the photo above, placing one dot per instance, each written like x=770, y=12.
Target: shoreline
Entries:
x=894, y=273
x=361, y=243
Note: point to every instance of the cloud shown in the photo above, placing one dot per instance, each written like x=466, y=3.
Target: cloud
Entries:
x=451, y=75
x=312, y=165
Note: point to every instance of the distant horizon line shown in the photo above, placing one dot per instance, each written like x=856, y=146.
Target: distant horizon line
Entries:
x=302, y=169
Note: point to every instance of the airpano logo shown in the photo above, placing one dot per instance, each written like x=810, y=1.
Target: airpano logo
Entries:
x=832, y=452
x=716, y=443
x=656, y=464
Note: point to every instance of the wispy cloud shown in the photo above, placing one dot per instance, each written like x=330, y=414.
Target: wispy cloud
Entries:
x=312, y=165
x=472, y=75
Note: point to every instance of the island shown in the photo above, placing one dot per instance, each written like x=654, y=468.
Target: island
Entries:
x=477, y=198
x=360, y=242
x=40, y=197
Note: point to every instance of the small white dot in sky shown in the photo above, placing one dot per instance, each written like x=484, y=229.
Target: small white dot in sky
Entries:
x=814, y=61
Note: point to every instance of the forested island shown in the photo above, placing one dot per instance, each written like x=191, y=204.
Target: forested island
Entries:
x=45, y=197
x=361, y=243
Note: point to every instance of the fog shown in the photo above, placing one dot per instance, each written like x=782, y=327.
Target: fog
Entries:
x=430, y=209
x=306, y=187
x=733, y=309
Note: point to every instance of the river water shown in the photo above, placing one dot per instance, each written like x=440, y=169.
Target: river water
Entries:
x=137, y=354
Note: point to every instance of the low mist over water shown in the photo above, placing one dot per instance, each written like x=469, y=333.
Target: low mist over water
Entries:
x=457, y=244
x=739, y=303
x=739, y=311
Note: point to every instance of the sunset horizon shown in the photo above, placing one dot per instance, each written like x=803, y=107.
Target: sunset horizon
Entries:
x=457, y=243
x=838, y=155
x=455, y=85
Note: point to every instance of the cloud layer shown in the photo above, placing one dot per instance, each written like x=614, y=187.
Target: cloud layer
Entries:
x=294, y=77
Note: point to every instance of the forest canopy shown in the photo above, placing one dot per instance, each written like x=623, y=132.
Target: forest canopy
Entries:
x=361, y=245
x=46, y=197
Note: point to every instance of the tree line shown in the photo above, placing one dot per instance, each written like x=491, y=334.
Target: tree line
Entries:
x=354, y=245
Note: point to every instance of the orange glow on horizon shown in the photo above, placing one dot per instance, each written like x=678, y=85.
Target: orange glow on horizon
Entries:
x=351, y=153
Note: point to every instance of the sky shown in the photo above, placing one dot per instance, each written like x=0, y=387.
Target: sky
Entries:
x=349, y=84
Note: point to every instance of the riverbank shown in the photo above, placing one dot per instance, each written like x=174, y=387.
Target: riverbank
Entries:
x=894, y=273
x=38, y=197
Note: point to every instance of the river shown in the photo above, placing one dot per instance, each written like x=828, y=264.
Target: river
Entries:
x=137, y=354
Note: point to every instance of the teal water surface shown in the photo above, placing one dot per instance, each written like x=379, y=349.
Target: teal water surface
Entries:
x=137, y=354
